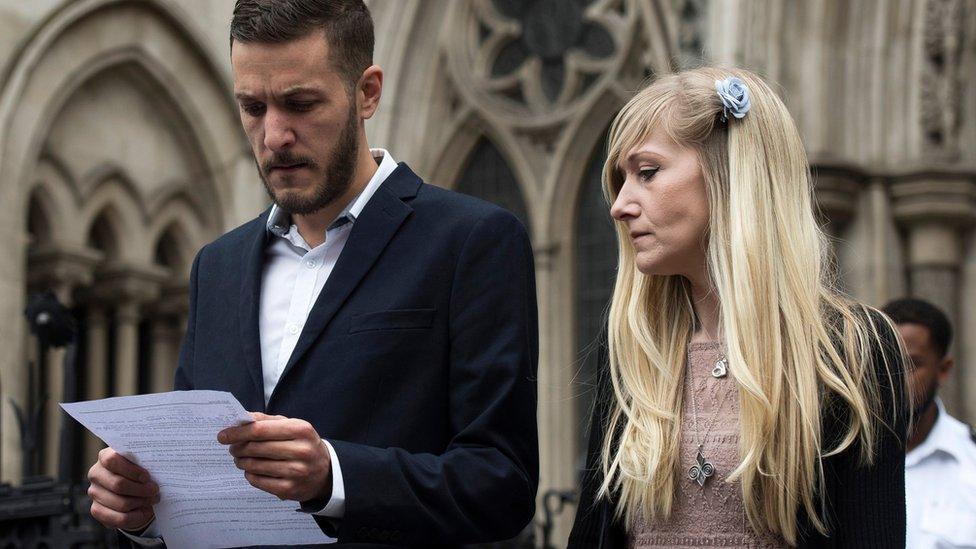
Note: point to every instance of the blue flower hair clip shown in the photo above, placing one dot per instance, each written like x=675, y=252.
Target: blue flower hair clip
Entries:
x=735, y=97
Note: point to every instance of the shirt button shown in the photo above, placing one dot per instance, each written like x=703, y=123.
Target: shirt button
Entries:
x=311, y=264
x=293, y=329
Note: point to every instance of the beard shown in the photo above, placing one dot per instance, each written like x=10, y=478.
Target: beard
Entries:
x=336, y=180
x=928, y=401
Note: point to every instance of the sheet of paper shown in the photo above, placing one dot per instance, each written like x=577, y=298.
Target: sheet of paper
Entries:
x=205, y=501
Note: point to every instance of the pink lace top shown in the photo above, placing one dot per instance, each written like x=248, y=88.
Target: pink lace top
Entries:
x=711, y=515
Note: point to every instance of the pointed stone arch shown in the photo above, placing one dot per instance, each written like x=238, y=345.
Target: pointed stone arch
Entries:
x=150, y=41
x=488, y=175
x=41, y=211
x=462, y=143
x=104, y=233
x=149, y=34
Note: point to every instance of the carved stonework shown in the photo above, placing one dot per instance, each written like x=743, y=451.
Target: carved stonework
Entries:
x=691, y=44
x=941, y=85
x=538, y=57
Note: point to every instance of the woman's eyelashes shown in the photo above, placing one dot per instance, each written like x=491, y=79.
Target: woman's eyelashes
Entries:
x=646, y=173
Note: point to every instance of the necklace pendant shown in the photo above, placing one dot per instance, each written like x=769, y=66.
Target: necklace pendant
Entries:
x=702, y=470
x=721, y=368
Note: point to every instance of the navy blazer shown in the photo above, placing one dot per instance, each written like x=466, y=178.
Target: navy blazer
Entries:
x=417, y=362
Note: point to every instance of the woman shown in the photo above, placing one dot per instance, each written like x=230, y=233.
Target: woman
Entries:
x=747, y=403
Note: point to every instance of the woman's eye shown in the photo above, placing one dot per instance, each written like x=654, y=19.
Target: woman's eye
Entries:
x=645, y=174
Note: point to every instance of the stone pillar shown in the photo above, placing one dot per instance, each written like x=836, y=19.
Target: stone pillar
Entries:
x=61, y=269
x=934, y=209
x=557, y=415
x=127, y=317
x=127, y=288
x=163, y=361
x=836, y=192
x=168, y=321
x=96, y=376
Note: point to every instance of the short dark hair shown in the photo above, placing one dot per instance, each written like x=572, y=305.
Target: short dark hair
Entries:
x=916, y=311
x=347, y=24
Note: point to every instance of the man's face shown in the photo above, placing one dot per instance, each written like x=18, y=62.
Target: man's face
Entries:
x=928, y=369
x=303, y=125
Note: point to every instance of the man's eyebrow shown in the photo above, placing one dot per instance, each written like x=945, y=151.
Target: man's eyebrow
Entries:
x=297, y=90
x=289, y=92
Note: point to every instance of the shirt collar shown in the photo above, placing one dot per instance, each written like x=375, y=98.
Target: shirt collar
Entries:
x=279, y=221
x=940, y=439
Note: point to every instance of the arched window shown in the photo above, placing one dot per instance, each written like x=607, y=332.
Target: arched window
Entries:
x=596, y=265
x=487, y=176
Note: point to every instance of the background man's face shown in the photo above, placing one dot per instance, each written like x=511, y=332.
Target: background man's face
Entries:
x=928, y=370
x=302, y=124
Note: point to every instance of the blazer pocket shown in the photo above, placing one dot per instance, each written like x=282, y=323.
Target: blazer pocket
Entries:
x=398, y=319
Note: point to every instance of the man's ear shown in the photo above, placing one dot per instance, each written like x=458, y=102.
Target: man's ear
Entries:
x=369, y=91
x=944, y=369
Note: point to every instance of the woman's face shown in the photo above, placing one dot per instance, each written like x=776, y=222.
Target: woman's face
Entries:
x=664, y=205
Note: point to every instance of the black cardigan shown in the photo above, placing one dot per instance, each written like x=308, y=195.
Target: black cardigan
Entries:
x=865, y=505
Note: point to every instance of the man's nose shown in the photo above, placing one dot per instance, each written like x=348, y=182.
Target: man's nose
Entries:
x=278, y=131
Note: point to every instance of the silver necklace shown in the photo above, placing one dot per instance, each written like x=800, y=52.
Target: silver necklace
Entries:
x=703, y=469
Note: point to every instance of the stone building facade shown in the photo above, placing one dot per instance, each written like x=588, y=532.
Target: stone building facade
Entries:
x=121, y=154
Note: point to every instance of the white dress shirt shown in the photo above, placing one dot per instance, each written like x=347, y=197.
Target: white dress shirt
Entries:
x=940, y=487
x=294, y=275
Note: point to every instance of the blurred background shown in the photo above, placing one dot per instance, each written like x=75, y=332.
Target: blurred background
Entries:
x=121, y=154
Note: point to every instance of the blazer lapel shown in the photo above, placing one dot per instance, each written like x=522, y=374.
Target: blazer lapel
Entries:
x=252, y=268
x=371, y=232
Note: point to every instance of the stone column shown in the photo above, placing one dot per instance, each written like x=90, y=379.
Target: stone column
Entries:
x=934, y=209
x=557, y=414
x=168, y=317
x=127, y=288
x=96, y=377
x=836, y=190
x=127, y=317
x=61, y=269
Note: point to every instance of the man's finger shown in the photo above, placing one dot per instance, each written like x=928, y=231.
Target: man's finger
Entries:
x=116, y=502
x=258, y=416
x=273, y=468
x=116, y=463
x=282, y=488
x=122, y=486
x=274, y=449
x=133, y=520
x=266, y=430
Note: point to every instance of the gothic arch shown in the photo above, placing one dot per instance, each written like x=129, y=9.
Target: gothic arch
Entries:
x=175, y=234
x=54, y=187
x=177, y=217
x=41, y=210
x=461, y=144
x=114, y=199
x=104, y=232
x=61, y=55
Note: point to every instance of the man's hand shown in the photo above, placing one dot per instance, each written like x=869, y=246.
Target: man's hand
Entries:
x=122, y=493
x=281, y=456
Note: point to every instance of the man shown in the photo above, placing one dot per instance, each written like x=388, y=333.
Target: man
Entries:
x=384, y=331
x=940, y=467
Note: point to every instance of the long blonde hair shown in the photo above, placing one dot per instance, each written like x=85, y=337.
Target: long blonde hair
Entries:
x=791, y=339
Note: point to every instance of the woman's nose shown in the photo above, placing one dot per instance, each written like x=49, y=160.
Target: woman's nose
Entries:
x=624, y=206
